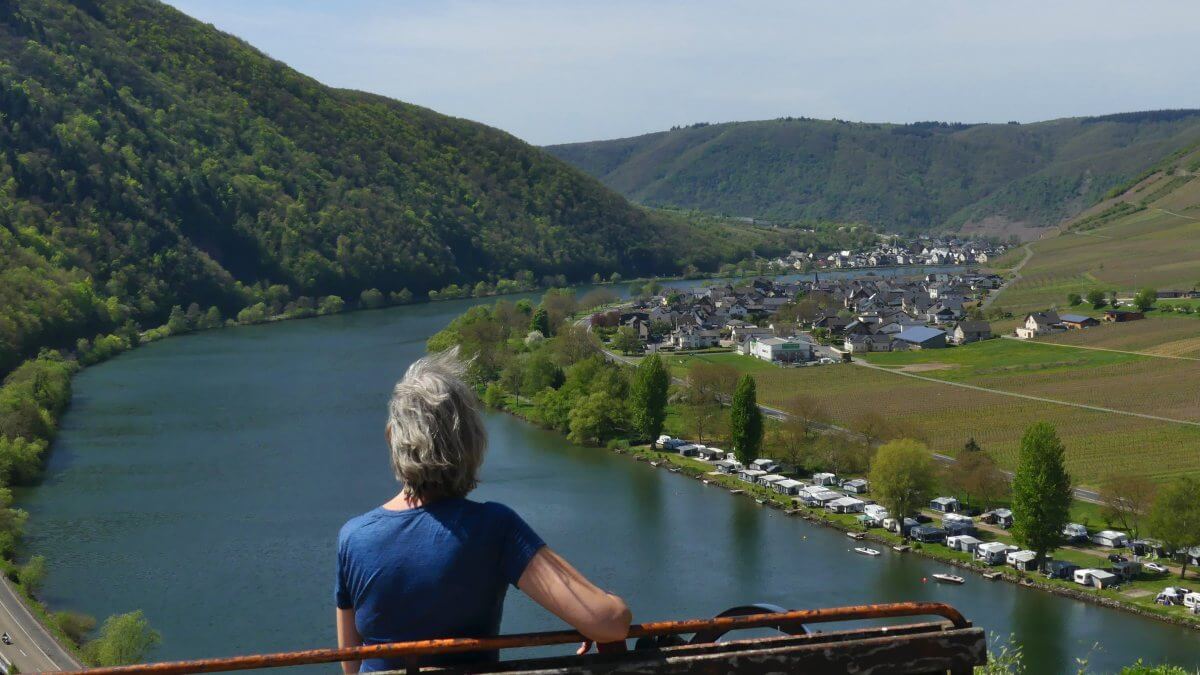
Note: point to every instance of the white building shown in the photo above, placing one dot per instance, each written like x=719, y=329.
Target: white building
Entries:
x=784, y=350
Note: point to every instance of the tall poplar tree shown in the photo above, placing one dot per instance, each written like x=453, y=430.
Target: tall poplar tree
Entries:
x=1041, y=491
x=746, y=421
x=648, y=397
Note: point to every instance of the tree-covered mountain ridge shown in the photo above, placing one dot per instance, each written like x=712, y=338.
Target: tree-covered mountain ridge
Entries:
x=150, y=161
x=913, y=177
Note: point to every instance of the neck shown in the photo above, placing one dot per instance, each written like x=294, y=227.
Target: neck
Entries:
x=404, y=501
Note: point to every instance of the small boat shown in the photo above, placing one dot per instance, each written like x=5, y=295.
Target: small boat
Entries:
x=705, y=481
x=948, y=578
x=760, y=502
x=736, y=492
x=867, y=551
x=653, y=463
x=901, y=548
x=674, y=469
x=856, y=535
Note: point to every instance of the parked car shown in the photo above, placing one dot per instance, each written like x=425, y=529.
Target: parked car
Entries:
x=922, y=518
x=1155, y=567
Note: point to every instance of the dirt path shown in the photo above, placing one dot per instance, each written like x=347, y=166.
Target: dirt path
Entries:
x=1177, y=215
x=1107, y=349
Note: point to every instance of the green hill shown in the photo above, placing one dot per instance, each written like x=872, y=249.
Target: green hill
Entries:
x=994, y=177
x=149, y=160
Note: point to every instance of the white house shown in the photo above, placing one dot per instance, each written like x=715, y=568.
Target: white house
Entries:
x=1039, y=323
x=1110, y=539
x=784, y=350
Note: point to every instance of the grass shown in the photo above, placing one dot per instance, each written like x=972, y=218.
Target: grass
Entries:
x=998, y=357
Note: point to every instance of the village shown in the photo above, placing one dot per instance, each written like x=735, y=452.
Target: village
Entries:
x=818, y=321
x=894, y=252
x=1115, y=558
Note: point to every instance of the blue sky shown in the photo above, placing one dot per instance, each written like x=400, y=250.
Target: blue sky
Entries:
x=553, y=72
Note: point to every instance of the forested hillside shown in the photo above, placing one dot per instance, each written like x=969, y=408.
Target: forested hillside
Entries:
x=902, y=177
x=150, y=161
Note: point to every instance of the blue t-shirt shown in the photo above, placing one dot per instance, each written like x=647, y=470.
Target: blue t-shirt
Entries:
x=436, y=571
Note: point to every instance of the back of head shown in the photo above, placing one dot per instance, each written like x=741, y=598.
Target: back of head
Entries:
x=434, y=429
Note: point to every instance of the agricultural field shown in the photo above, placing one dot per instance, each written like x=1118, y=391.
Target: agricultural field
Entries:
x=1159, y=334
x=945, y=416
x=1153, y=239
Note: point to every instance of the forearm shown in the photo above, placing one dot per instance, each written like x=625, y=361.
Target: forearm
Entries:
x=347, y=635
x=554, y=584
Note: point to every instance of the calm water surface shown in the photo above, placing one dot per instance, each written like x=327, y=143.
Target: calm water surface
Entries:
x=203, y=480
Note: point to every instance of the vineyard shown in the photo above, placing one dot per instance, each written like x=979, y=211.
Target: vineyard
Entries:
x=1163, y=335
x=1098, y=444
x=1140, y=384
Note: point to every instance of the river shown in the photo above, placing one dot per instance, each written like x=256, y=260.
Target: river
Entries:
x=203, y=479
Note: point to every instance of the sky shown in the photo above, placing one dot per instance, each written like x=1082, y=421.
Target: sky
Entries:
x=568, y=70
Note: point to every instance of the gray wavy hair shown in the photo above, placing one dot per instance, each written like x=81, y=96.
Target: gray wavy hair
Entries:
x=434, y=429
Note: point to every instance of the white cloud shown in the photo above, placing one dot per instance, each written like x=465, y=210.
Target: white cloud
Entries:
x=573, y=70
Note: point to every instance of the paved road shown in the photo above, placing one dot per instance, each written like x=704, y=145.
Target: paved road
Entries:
x=1016, y=276
x=33, y=648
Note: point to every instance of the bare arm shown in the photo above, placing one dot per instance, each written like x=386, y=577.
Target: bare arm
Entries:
x=347, y=633
x=554, y=584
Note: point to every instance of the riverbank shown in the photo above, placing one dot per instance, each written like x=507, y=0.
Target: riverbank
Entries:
x=848, y=523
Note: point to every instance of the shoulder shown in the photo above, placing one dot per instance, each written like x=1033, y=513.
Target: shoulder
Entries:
x=354, y=526
x=497, y=512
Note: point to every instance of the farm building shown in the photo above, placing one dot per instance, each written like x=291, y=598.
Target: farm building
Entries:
x=1121, y=316
x=1077, y=321
x=921, y=337
x=783, y=350
x=1039, y=323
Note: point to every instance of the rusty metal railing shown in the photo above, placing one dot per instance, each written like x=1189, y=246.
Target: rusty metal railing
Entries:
x=412, y=650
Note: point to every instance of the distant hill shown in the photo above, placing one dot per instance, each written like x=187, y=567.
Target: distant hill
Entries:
x=149, y=160
x=995, y=177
